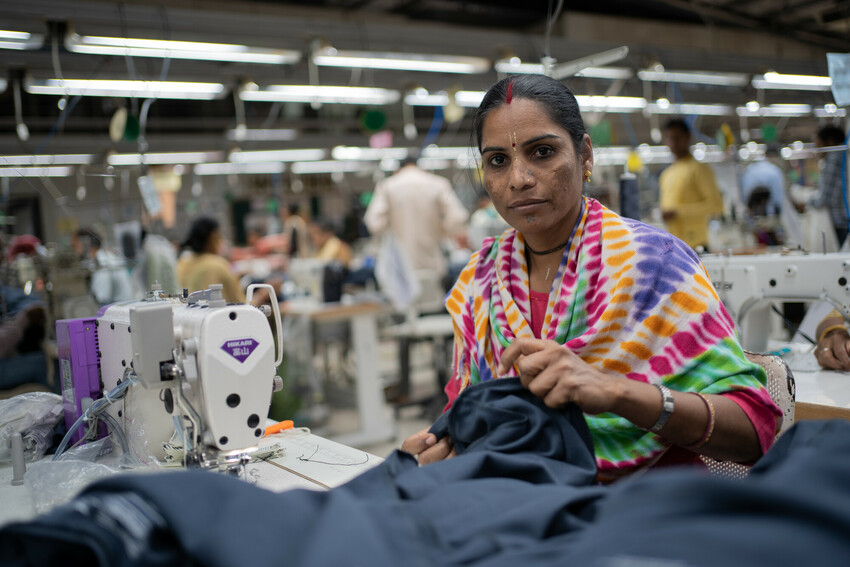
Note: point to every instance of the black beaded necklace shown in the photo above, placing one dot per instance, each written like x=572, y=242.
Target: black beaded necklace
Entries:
x=544, y=252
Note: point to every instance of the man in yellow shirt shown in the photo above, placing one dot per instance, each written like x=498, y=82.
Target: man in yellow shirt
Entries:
x=689, y=196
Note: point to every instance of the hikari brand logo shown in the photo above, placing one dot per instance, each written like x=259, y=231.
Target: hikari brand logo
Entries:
x=240, y=349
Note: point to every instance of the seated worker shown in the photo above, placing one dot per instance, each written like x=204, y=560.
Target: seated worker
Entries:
x=327, y=245
x=110, y=279
x=23, y=327
x=590, y=308
x=201, y=265
x=833, y=348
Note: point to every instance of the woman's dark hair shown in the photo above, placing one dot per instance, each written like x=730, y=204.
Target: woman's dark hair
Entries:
x=199, y=234
x=677, y=124
x=94, y=239
x=831, y=135
x=324, y=224
x=556, y=99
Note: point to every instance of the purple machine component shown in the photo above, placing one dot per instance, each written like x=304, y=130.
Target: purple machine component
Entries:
x=79, y=367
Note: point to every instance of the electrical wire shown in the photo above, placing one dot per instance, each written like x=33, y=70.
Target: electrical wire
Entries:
x=791, y=326
x=96, y=411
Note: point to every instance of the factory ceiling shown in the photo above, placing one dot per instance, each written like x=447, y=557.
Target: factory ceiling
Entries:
x=748, y=37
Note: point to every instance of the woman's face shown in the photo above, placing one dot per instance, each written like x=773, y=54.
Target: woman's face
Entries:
x=532, y=171
x=214, y=242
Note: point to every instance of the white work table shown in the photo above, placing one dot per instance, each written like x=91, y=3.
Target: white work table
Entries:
x=376, y=424
x=309, y=462
x=820, y=394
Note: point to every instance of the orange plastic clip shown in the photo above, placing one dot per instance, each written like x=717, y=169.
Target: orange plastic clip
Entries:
x=279, y=426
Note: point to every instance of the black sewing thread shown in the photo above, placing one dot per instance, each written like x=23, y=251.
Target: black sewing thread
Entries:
x=310, y=460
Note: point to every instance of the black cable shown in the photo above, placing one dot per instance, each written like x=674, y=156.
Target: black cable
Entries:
x=792, y=327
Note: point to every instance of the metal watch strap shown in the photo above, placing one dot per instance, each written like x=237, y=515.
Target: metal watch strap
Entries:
x=667, y=406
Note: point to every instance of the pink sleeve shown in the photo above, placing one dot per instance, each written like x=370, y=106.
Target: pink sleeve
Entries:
x=765, y=418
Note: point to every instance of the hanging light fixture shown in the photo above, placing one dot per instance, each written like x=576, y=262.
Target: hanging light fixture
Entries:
x=123, y=88
x=20, y=40
x=320, y=94
x=327, y=56
x=199, y=51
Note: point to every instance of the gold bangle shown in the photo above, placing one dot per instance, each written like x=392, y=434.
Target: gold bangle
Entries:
x=836, y=327
x=709, y=429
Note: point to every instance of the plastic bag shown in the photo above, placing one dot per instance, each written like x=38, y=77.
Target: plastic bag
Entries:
x=34, y=415
x=53, y=482
x=394, y=274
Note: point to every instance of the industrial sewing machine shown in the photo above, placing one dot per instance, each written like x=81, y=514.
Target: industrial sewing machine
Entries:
x=747, y=284
x=197, y=366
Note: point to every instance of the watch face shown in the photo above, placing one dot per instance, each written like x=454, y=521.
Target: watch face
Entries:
x=117, y=124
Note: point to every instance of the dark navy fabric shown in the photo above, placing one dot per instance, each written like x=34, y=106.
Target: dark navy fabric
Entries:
x=521, y=492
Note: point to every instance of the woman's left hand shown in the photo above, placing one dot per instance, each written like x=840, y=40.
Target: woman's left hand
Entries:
x=558, y=376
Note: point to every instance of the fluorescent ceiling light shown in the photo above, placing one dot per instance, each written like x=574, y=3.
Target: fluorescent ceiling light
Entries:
x=596, y=103
x=179, y=49
x=708, y=154
x=696, y=77
x=473, y=99
x=450, y=152
x=20, y=40
x=270, y=156
x=421, y=97
x=434, y=164
x=792, y=82
x=515, y=66
x=239, y=168
x=424, y=98
x=331, y=57
x=368, y=154
x=170, y=158
x=470, y=99
x=262, y=134
x=321, y=94
x=829, y=111
x=330, y=166
x=60, y=171
x=611, y=155
x=46, y=159
x=775, y=110
x=686, y=108
x=132, y=89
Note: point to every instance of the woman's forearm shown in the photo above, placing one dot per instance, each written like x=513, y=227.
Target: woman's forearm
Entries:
x=732, y=435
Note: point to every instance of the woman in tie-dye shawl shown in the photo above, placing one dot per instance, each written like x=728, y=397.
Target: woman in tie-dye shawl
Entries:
x=591, y=308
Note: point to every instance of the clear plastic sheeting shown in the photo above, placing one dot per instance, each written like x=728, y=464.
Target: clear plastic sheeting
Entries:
x=54, y=482
x=34, y=415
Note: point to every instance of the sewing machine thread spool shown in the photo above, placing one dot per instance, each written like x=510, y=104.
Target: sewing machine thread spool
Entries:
x=18, y=466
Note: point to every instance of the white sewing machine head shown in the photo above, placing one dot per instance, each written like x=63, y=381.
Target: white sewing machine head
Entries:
x=203, y=367
x=746, y=284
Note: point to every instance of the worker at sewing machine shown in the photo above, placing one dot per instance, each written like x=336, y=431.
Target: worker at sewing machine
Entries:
x=590, y=308
x=833, y=348
x=110, y=279
x=201, y=264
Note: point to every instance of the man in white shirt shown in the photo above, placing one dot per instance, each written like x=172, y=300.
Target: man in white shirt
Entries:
x=110, y=279
x=420, y=210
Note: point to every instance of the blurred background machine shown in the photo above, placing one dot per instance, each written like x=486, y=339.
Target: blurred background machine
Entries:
x=748, y=285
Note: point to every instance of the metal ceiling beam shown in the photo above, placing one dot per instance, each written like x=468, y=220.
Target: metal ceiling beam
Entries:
x=731, y=16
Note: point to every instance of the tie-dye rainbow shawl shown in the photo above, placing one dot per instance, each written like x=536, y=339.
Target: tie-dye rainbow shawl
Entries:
x=628, y=299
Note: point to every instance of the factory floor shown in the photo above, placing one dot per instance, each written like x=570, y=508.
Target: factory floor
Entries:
x=407, y=419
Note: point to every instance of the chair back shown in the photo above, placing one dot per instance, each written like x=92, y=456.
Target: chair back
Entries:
x=782, y=390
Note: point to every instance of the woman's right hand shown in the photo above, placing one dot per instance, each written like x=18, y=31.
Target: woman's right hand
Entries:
x=426, y=448
x=833, y=351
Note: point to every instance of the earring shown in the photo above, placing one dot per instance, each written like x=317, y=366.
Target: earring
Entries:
x=587, y=175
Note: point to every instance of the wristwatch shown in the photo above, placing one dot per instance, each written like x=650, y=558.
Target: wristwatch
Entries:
x=667, y=406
